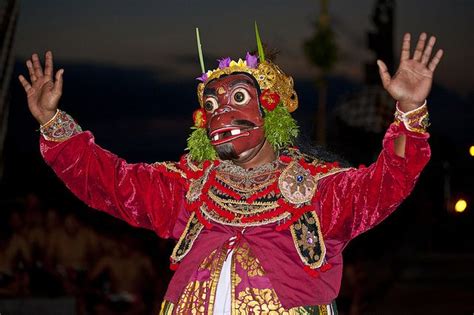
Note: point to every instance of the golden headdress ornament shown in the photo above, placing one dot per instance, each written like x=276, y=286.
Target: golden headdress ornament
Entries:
x=270, y=78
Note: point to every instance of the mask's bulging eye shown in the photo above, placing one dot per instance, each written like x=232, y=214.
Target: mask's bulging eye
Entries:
x=210, y=105
x=241, y=96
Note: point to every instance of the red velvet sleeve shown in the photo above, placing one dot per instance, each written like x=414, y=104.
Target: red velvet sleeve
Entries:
x=355, y=200
x=139, y=194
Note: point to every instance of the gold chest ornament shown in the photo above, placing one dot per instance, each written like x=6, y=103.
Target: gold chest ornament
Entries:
x=282, y=193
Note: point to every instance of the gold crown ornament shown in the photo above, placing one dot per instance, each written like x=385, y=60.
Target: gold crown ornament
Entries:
x=270, y=78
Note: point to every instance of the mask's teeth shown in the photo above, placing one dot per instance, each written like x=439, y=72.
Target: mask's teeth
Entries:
x=216, y=137
x=235, y=132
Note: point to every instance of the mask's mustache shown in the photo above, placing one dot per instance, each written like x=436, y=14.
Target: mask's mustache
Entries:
x=243, y=123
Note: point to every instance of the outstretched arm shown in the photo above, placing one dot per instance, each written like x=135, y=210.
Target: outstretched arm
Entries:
x=141, y=194
x=42, y=91
x=412, y=82
x=356, y=200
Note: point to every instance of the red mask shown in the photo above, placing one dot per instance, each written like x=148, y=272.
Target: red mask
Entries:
x=235, y=122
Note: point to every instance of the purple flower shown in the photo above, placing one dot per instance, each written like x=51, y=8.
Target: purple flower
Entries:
x=202, y=78
x=252, y=61
x=224, y=62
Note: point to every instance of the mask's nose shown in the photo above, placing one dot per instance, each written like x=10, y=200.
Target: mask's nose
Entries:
x=223, y=109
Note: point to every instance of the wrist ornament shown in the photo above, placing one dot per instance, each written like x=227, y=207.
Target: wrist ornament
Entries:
x=59, y=128
x=416, y=120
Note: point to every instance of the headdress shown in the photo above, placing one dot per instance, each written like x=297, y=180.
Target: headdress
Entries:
x=277, y=97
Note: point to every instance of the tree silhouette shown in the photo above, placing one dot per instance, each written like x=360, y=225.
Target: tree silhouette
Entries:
x=321, y=50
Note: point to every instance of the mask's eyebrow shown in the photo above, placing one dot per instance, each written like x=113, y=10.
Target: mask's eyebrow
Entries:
x=236, y=82
x=209, y=91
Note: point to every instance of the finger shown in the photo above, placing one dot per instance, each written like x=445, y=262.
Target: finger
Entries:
x=406, y=47
x=420, y=46
x=37, y=66
x=48, y=68
x=384, y=75
x=435, y=61
x=29, y=65
x=428, y=50
x=25, y=83
x=58, y=84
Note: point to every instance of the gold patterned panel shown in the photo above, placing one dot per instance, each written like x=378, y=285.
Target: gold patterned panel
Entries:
x=308, y=240
x=252, y=300
x=193, y=299
x=258, y=301
x=198, y=296
x=188, y=236
x=248, y=261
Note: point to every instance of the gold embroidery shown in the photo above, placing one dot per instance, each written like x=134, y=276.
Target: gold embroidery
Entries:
x=246, y=191
x=308, y=239
x=197, y=293
x=233, y=285
x=192, y=166
x=166, y=308
x=248, y=261
x=171, y=166
x=238, y=279
x=323, y=309
x=60, y=128
x=248, y=181
x=236, y=222
x=333, y=171
x=309, y=310
x=193, y=299
x=242, y=207
x=187, y=238
x=216, y=272
x=259, y=301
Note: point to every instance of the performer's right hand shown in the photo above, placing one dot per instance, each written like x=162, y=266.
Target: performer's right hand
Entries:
x=42, y=91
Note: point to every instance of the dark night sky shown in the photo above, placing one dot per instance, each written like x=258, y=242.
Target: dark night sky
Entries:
x=159, y=35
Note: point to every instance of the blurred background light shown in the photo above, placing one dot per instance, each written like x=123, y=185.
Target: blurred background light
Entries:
x=460, y=206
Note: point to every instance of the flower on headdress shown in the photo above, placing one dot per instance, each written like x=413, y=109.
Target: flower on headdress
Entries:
x=269, y=99
x=224, y=62
x=202, y=78
x=205, y=76
x=240, y=63
x=252, y=61
x=199, y=118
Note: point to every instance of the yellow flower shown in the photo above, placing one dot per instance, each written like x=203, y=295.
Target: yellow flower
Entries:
x=240, y=63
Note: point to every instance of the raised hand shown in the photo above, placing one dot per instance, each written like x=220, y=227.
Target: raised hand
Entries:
x=43, y=93
x=412, y=82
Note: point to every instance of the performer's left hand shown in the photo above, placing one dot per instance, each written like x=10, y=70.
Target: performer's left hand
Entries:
x=412, y=82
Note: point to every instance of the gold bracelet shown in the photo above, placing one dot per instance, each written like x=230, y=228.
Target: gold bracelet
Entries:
x=416, y=120
x=60, y=128
x=49, y=122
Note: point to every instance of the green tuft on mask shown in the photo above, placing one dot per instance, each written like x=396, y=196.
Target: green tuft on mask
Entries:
x=200, y=147
x=281, y=129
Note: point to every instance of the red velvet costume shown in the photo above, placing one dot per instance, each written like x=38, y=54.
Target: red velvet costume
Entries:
x=152, y=196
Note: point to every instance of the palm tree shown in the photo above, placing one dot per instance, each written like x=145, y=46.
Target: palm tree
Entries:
x=321, y=50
